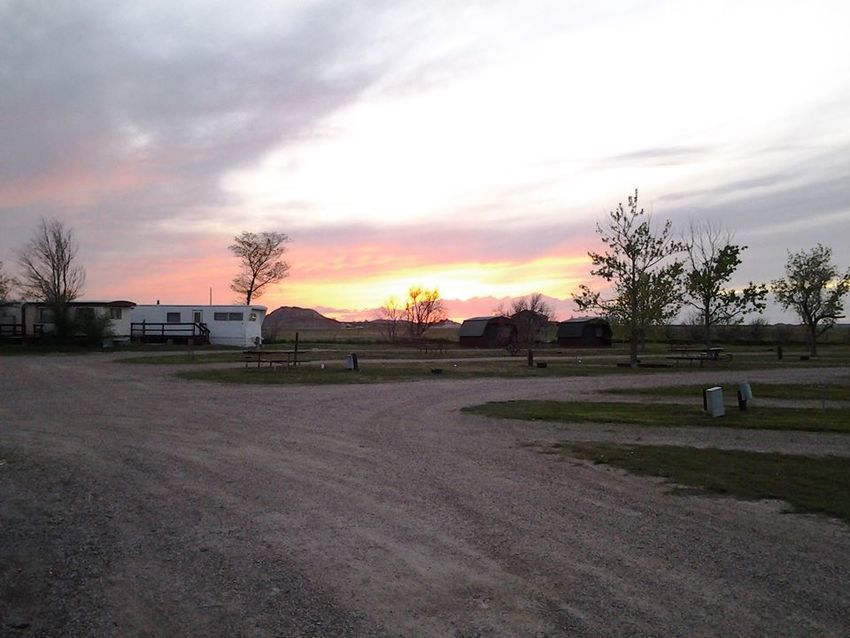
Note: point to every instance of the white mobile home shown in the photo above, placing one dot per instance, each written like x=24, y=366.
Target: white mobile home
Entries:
x=219, y=325
x=37, y=317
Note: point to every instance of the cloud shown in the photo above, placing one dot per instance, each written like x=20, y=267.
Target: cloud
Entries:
x=133, y=115
x=660, y=156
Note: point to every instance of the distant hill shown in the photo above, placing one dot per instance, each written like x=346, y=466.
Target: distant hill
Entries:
x=294, y=318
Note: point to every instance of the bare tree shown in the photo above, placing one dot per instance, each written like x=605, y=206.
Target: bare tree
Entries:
x=639, y=263
x=260, y=255
x=712, y=260
x=531, y=315
x=7, y=285
x=813, y=287
x=422, y=310
x=390, y=316
x=49, y=270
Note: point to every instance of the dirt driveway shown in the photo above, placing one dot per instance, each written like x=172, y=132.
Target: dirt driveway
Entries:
x=136, y=504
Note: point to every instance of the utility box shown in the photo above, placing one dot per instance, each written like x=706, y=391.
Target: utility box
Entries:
x=714, y=401
x=351, y=362
x=744, y=395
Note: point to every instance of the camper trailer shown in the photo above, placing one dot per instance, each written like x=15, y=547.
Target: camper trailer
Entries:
x=218, y=325
x=37, y=317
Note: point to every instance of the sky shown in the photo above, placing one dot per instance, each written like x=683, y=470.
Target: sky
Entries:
x=468, y=146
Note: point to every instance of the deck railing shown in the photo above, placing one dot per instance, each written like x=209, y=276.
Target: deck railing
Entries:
x=145, y=330
x=11, y=330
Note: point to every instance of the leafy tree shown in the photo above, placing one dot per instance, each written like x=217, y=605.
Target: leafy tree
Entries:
x=530, y=315
x=640, y=264
x=422, y=310
x=92, y=326
x=390, y=315
x=813, y=287
x=50, y=273
x=712, y=259
x=7, y=285
x=259, y=254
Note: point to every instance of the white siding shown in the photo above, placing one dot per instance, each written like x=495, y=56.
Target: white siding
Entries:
x=225, y=332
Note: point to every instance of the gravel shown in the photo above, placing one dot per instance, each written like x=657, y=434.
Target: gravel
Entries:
x=134, y=503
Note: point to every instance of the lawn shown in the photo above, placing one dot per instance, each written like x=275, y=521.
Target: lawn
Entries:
x=809, y=484
x=663, y=415
x=384, y=372
x=833, y=391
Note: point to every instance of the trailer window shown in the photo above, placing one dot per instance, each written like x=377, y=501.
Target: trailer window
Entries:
x=172, y=317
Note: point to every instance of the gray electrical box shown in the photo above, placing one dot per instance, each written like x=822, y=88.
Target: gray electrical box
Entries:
x=714, y=401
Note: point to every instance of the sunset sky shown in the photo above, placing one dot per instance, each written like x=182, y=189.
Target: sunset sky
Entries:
x=467, y=146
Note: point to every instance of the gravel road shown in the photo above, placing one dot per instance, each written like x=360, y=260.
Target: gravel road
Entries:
x=136, y=504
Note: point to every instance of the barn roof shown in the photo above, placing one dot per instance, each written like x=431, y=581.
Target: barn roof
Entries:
x=475, y=326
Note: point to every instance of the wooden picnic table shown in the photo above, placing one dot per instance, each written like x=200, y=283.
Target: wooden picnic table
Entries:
x=271, y=357
x=698, y=354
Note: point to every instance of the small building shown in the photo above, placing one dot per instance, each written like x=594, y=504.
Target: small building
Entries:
x=219, y=325
x=531, y=326
x=37, y=317
x=587, y=332
x=487, y=332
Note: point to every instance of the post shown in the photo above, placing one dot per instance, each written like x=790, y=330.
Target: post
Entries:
x=295, y=355
x=779, y=352
x=530, y=358
x=742, y=402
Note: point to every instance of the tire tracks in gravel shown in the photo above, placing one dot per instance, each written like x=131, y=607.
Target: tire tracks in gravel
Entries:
x=357, y=510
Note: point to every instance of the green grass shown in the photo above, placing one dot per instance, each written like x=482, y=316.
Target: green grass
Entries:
x=661, y=415
x=813, y=391
x=318, y=354
x=809, y=484
x=380, y=372
x=452, y=367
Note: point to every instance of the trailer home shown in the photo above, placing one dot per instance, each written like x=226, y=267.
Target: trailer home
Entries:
x=219, y=325
x=37, y=317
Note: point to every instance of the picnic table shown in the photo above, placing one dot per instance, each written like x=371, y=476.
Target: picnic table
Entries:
x=426, y=346
x=700, y=355
x=270, y=357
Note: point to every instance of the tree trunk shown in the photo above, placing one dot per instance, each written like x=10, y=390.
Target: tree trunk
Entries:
x=707, y=332
x=813, y=341
x=633, y=348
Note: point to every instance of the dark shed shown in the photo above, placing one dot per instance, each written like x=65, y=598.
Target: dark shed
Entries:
x=486, y=332
x=584, y=333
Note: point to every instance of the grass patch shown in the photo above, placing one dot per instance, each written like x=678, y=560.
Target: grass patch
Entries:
x=809, y=484
x=379, y=373
x=661, y=415
x=807, y=391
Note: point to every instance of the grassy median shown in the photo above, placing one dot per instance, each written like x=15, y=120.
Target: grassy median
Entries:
x=809, y=484
x=833, y=391
x=664, y=415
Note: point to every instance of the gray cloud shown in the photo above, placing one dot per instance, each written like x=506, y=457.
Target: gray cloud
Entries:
x=660, y=156
x=165, y=95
